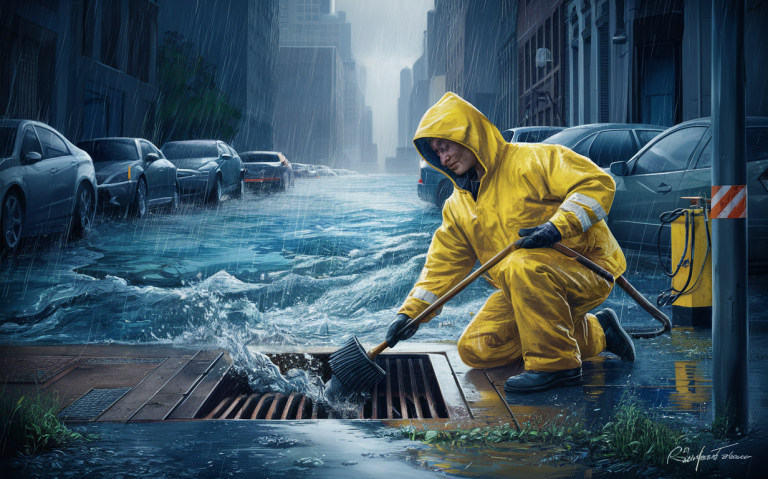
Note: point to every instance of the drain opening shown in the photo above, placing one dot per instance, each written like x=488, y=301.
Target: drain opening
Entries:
x=410, y=390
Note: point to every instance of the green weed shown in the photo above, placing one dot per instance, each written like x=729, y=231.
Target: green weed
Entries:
x=30, y=424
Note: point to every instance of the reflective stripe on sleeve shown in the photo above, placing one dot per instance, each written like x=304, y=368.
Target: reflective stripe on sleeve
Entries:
x=590, y=203
x=580, y=213
x=426, y=296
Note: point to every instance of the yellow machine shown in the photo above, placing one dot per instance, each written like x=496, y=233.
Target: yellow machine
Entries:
x=691, y=293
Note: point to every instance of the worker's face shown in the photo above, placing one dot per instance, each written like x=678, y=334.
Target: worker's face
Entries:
x=454, y=156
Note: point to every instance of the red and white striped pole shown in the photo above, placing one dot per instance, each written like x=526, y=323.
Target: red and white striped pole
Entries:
x=730, y=324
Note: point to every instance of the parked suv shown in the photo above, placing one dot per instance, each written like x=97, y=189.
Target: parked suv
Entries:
x=47, y=184
x=678, y=164
x=133, y=175
x=207, y=169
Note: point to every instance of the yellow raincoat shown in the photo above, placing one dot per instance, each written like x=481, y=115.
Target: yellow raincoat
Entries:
x=540, y=314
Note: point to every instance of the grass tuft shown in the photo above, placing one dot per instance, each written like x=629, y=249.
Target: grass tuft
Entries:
x=30, y=424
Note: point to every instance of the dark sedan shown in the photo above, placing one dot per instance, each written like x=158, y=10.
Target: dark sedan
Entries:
x=605, y=143
x=133, y=175
x=207, y=169
x=530, y=134
x=267, y=170
x=47, y=184
x=678, y=164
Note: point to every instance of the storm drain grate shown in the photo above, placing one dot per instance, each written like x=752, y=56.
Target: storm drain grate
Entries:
x=122, y=360
x=93, y=403
x=408, y=391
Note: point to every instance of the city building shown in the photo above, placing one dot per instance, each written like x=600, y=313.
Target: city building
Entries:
x=87, y=68
x=403, y=105
x=650, y=61
x=314, y=23
x=239, y=38
x=309, y=112
x=506, y=58
x=540, y=42
x=471, y=67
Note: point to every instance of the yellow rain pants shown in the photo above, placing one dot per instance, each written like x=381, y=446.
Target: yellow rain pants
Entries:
x=540, y=312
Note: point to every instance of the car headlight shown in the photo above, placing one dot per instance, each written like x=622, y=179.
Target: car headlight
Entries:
x=119, y=177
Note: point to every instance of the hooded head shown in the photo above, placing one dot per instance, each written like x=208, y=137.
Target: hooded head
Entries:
x=453, y=118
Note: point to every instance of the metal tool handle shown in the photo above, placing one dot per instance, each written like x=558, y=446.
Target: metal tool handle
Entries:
x=626, y=286
x=447, y=296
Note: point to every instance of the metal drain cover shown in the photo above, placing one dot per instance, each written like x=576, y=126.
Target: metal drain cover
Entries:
x=93, y=403
x=32, y=369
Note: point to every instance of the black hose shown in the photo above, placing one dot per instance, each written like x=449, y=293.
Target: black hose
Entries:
x=670, y=295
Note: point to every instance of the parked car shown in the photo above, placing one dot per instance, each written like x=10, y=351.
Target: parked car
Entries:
x=207, y=169
x=530, y=134
x=605, y=143
x=133, y=175
x=323, y=170
x=47, y=184
x=267, y=169
x=677, y=164
x=299, y=170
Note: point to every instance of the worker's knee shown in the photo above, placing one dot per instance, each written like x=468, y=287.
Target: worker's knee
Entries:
x=471, y=352
x=487, y=351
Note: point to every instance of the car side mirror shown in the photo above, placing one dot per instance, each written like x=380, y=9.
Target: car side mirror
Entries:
x=226, y=156
x=33, y=157
x=619, y=168
x=151, y=157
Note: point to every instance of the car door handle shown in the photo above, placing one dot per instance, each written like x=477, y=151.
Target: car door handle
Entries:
x=663, y=189
x=53, y=171
x=161, y=170
x=73, y=163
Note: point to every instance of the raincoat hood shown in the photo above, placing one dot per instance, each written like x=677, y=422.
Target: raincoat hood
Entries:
x=453, y=118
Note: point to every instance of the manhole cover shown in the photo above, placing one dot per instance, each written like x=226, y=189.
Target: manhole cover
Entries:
x=37, y=369
x=93, y=403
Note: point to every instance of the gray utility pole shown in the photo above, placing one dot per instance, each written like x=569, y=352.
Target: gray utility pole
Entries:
x=730, y=325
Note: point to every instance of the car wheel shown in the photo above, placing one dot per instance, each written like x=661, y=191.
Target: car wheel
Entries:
x=82, y=217
x=13, y=221
x=139, y=207
x=444, y=191
x=215, y=196
x=240, y=188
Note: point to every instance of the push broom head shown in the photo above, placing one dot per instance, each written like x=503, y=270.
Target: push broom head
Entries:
x=354, y=369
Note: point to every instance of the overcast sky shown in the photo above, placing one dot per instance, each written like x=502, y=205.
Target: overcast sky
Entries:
x=386, y=36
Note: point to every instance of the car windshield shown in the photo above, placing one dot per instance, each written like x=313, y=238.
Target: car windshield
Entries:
x=567, y=137
x=180, y=151
x=7, y=140
x=260, y=158
x=110, y=150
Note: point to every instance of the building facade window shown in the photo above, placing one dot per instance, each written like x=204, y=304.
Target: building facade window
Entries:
x=102, y=112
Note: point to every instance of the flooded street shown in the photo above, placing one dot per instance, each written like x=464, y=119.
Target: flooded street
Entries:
x=326, y=259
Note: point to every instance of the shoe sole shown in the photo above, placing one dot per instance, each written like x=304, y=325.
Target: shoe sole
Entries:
x=565, y=382
x=617, y=327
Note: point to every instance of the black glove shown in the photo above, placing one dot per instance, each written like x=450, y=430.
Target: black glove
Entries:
x=392, y=334
x=538, y=237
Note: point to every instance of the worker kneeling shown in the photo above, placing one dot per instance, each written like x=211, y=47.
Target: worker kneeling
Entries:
x=532, y=195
